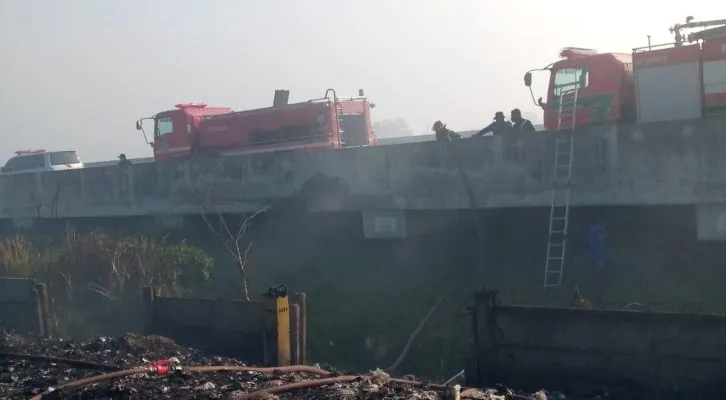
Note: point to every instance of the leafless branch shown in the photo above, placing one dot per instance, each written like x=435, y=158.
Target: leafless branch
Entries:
x=231, y=242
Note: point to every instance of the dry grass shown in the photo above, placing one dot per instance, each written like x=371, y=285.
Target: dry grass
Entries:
x=95, y=279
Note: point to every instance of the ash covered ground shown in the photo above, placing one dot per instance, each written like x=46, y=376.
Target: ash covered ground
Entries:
x=23, y=377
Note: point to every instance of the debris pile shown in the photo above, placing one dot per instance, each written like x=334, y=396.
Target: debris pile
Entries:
x=138, y=367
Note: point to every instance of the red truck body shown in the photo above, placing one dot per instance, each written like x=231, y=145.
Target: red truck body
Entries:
x=606, y=92
x=714, y=77
x=675, y=81
x=198, y=130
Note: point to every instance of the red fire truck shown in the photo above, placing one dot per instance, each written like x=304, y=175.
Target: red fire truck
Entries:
x=654, y=83
x=197, y=130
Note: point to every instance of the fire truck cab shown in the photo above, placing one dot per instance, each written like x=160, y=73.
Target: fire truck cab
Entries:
x=175, y=130
x=674, y=81
x=198, y=130
x=602, y=82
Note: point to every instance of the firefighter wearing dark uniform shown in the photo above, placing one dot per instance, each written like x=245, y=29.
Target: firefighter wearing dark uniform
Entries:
x=443, y=133
x=519, y=124
x=498, y=127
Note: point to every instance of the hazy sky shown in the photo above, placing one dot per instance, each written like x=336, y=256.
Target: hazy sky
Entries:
x=77, y=74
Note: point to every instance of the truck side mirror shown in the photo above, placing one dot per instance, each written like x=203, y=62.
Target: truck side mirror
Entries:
x=138, y=125
x=582, y=84
x=372, y=105
x=528, y=79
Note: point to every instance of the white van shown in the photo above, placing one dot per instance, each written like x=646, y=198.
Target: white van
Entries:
x=40, y=160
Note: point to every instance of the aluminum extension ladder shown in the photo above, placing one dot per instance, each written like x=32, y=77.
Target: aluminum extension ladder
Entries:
x=341, y=122
x=560, y=205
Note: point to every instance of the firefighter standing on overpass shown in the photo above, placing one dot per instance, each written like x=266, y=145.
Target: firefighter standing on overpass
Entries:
x=519, y=124
x=498, y=127
x=443, y=133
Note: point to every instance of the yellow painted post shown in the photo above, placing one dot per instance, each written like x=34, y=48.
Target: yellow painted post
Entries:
x=277, y=308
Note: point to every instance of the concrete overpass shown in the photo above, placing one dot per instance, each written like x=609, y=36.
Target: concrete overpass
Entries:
x=656, y=164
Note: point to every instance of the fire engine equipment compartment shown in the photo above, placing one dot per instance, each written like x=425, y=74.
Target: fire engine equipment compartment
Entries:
x=713, y=55
x=668, y=83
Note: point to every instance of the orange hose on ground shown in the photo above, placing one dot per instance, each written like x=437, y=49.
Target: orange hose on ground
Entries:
x=324, y=382
x=268, y=370
x=214, y=368
x=60, y=360
x=300, y=385
x=94, y=379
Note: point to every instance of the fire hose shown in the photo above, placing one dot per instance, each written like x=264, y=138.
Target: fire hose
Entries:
x=63, y=361
x=272, y=390
x=324, y=382
x=163, y=368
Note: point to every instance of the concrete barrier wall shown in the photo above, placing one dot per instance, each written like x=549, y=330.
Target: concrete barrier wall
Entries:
x=248, y=330
x=556, y=347
x=667, y=163
x=24, y=306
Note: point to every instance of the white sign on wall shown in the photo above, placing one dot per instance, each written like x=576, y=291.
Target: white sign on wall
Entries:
x=384, y=224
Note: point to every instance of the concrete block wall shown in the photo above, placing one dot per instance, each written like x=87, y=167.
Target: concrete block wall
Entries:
x=522, y=346
x=662, y=163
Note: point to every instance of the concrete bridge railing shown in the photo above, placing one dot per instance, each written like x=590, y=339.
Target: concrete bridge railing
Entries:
x=666, y=163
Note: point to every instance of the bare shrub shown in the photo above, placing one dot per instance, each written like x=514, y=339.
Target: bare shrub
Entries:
x=235, y=241
x=96, y=277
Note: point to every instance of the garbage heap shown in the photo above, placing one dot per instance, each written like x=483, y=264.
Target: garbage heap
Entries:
x=145, y=367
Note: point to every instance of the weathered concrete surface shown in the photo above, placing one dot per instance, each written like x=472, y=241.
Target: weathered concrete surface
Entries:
x=23, y=306
x=663, y=352
x=230, y=327
x=670, y=163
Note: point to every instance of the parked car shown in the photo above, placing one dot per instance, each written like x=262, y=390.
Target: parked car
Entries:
x=40, y=160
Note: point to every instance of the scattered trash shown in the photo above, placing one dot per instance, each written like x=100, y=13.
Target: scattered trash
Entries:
x=206, y=386
x=156, y=367
x=379, y=378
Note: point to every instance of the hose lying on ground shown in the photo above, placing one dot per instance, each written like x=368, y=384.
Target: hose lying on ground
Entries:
x=94, y=379
x=215, y=368
x=264, y=370
x=415, y=333
x=63, y=361
x=299, y=386
x=324, y=382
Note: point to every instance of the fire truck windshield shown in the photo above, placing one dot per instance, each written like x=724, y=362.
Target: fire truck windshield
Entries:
x=569, y=79
x=163, y=126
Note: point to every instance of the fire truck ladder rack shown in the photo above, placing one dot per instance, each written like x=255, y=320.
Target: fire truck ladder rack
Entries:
x=560, y=205
x=338, y=113
x=341, y=124
x=718, y=32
